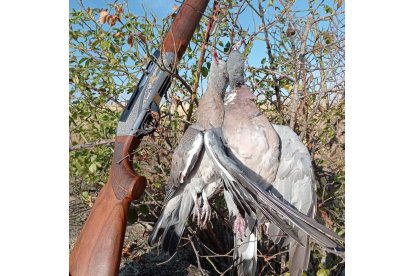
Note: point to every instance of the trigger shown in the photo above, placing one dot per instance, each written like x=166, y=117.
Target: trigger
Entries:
x=150, y=121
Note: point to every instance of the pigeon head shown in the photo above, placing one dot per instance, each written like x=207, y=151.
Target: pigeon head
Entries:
x=235, y=68
x=218, y=77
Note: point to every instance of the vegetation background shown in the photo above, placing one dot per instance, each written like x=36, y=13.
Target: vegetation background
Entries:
x=300, y=82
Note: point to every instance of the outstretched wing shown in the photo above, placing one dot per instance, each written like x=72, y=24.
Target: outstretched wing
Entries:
x=247, y=194
x=241, y=196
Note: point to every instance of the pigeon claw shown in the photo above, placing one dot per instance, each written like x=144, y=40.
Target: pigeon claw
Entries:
x=202, y=214
x=205, y=214
x=197, y=213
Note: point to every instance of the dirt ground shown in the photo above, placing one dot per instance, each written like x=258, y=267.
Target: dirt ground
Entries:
x=138, y=257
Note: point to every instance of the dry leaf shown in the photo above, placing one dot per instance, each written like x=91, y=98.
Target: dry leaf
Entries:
x=311, y=78
x=119, y=9
x=103, y=15
x=142, y=37
x=175, y=7
x=126, y=250
x=109, y=18
x=290, y=31
x=326, y=218
x=112, y=20
x=118, y=34
x=131, y=40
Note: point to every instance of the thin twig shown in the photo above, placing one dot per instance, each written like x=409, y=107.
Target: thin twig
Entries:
x=300, y=67
x=200, y=62
x=271, y=60
x=91, y=145
x=167, y=260
x=197, y=256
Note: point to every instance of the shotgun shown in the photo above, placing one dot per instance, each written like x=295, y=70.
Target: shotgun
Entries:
x=98, y=248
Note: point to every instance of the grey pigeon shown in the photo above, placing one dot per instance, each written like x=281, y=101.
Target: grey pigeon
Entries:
x=193, y=177
x=264, y=175
x=248, y=134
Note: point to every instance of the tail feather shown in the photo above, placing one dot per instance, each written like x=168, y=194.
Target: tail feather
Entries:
x=171, y=223
x=245, y=252
x=299, y=255
x=172, y=237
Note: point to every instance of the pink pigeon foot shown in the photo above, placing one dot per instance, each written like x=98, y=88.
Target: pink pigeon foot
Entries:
x=239, y=226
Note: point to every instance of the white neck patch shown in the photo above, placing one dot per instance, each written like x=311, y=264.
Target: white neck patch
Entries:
x=230, y=98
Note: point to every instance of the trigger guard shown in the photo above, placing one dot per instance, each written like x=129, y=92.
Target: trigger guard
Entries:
x=147, y=120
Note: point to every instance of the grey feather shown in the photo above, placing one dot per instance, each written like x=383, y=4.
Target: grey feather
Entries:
x=299, y=255
x=242, y=189
x=184, y=159
x=245, y=249
x=266, y=202
x=192, y=173
x=253, y=144
x=295, y=182
x=235, y=69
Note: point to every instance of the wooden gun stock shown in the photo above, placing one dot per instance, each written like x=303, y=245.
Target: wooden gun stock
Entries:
x=99, y=245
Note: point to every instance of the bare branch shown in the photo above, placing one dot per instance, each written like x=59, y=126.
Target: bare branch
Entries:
x=299, y=65
x=201, y=61
x=92, y=145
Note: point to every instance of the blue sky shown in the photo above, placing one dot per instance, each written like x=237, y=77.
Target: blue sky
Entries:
x=162, y=8
x=248, y=19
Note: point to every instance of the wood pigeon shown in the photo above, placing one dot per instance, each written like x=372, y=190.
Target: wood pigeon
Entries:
x=268, y=178
x=193, y=177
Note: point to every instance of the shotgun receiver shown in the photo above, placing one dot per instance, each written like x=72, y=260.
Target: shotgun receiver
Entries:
x=98, y=248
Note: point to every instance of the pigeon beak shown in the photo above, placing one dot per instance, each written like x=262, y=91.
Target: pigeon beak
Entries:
x=238, y=45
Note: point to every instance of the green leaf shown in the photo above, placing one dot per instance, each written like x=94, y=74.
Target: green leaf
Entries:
x=93, y=158
x=157, y=185
x=204, y=71
x=328, y=9
x=247, y=49
x=93, y=167
x=82, y=60
x=105, y=45
x=132, y=216
x=93, y=46
x=322, y=272
x=227, y=47
x=144, y=209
